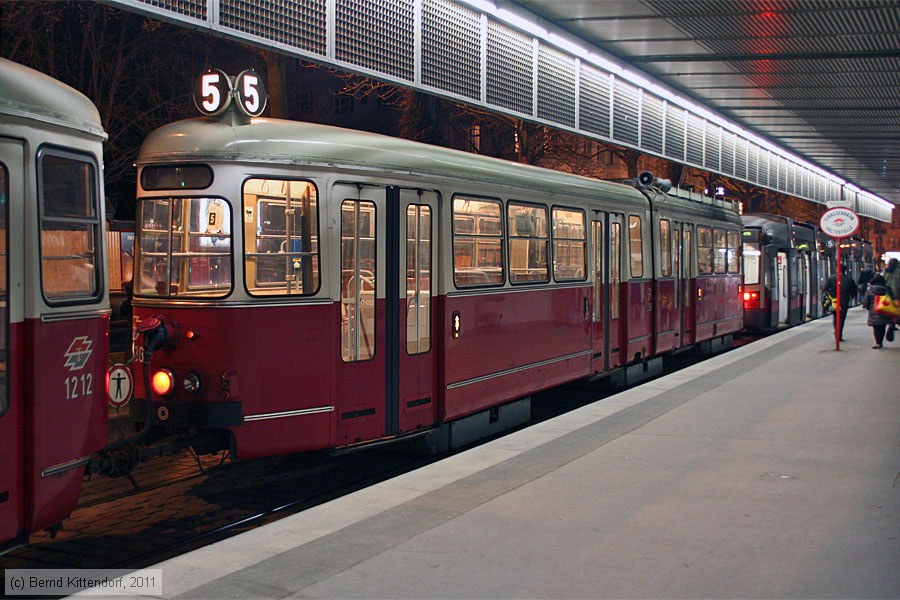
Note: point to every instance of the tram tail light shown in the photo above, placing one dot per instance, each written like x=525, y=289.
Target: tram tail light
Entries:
x=163, y=382
x=751, y=300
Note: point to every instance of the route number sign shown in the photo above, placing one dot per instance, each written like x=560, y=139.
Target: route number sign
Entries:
x=214, y=92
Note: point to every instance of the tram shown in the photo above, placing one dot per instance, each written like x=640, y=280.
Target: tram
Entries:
x=54, y=305
x=302, y=287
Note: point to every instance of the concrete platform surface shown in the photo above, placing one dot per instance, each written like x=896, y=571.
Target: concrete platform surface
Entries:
x=767, y=472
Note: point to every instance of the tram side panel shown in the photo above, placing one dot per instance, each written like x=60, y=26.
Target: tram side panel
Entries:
x=509, y=344
x=65, y=371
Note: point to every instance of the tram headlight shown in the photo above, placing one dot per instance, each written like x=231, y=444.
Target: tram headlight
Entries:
x=191, y=383
x=162, y=382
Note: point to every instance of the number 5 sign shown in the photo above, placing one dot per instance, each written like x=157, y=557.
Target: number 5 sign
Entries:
x=251, y=93
x=213, y=93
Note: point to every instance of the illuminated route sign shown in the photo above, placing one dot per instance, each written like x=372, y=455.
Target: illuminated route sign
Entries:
x=215, y=90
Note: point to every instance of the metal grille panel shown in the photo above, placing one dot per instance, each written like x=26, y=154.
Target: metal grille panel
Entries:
x=695, y=140
x=451, y=48
x=195, y=9
x=740, y=158
x=510, y=69
x=593, y=110
x=780, y=172
x=296, y=23
x=465, y=53
x=556, y=86
x=727, y=152
x=752, y=162
x=376, y=35
x=765, y=168
x=625, y=126
x=711, y=153
x=652, y=123
x=674, y=132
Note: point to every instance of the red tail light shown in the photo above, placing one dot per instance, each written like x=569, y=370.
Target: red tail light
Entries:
x=751, y=300
x=163, y=382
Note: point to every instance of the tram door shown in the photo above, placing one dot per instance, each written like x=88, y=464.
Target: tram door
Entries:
x=416, y=388
x=607, y=329
x=688, y=283
x=805, y=285
x=781, y=286
x=384, y=380
x=600, y=310
x=12, y=477
x=678, y=292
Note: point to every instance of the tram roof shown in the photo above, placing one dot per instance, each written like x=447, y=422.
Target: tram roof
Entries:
x=292, y=142
x=31, y=94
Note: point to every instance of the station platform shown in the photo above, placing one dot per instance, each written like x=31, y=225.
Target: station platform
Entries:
x=770, y=471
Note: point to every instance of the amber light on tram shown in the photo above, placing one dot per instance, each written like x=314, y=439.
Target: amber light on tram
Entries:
x=163, y=382
x=751, y=299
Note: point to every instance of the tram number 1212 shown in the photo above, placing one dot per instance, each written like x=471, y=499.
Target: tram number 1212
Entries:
x=79, y=386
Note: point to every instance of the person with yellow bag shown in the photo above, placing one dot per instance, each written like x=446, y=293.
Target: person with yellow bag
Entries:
x=877, y=321
x=892, y=283
x=848, y=291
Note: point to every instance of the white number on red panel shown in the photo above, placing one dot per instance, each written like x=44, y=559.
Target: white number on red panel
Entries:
x=79, y=386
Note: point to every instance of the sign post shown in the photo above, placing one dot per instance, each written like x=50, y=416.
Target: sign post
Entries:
x=839, y=223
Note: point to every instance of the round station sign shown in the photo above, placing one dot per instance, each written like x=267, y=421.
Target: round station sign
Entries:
x=839, y=222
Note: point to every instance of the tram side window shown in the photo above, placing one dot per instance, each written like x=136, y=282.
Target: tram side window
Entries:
x=4, y=287
x=418, y=279
x=281, y=237
x=665, y=248
x=70, y=228
x=720, y=254
x=528, y=243
x=704, y=250
x=636, y=246
x=734, y=259
x=185, y=247
x=569, y=245
x=477, y=237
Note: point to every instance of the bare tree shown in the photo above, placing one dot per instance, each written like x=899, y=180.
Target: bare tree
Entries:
x=122, y=61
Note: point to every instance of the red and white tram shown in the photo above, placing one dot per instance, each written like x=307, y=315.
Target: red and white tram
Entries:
x=54, y=307
x=300, y=287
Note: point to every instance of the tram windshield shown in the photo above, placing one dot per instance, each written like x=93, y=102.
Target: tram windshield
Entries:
x=184, y=247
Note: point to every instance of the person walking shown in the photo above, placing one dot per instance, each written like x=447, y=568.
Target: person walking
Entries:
x=878, y=323
x=865, y=276
x=892, y=283
x=848, y=291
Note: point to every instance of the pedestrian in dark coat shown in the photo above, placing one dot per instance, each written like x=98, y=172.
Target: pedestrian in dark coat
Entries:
x=865, y=276
x=878, y=323
x=848, y=291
